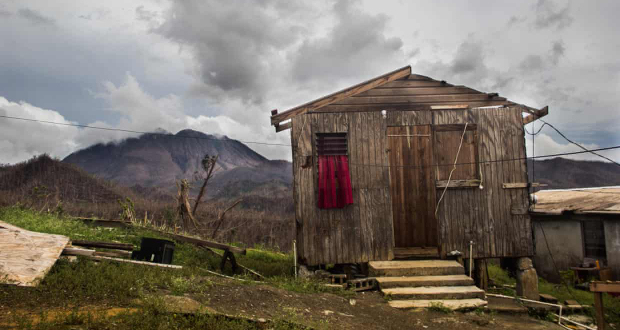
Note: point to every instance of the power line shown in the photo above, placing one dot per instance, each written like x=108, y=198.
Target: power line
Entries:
x=577, y=144
x=139, y=132
x=540, y=129
x=288, y=145
x=567, y=139
x=482, y=161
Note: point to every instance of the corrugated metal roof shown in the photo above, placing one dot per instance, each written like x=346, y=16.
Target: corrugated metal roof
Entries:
x=604, y=200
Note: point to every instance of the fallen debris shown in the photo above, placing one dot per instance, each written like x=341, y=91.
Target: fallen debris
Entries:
x=26, y=256
x=227, y=255
x=146, y=263
x=104, y=245
x=204, y=243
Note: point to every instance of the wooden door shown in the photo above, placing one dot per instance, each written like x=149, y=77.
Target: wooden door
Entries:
x=412, y=186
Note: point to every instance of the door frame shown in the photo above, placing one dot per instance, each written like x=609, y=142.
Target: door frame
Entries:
x=431, y=171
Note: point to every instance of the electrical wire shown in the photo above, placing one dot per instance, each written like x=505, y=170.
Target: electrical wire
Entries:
x=483, y=161
x=540, y=129
x=555, y=266
x=452, y=171
x=288, y=145
x=566, y=138
x=557, y=270
x=140, y=132
x=577, y=144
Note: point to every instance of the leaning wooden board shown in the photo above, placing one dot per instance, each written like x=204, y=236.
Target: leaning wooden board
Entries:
x=26, y=256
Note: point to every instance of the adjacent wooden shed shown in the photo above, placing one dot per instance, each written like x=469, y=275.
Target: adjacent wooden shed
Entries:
x=395, y=140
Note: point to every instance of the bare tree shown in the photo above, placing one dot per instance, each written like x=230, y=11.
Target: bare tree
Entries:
x=183, y=207
x=220, y=217
x=208, y=165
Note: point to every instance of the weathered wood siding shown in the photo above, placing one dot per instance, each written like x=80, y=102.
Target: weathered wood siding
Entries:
x=359, y=232
x=494, y=218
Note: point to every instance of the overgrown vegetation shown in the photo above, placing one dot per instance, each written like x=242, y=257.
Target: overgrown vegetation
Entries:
x=48, y=185
x=562, y=292
x=84, y=282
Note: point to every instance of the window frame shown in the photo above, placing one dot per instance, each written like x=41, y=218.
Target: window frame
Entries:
x=472, y=182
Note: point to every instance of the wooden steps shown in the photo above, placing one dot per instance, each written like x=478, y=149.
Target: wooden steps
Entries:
x=424, y=283
x=415, y=281
x=435, y=292
x=415, y=268
x=453, y=304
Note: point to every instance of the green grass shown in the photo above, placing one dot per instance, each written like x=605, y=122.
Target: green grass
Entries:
x=85, y=282
x=439, y=307
x=560, y=291
x=150, y=317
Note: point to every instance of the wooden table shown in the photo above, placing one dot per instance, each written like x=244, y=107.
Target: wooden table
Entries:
x=602, y=273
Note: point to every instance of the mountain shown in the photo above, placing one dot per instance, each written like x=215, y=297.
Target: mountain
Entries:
x=562, y=173
x=156, y=160
x=43, y=177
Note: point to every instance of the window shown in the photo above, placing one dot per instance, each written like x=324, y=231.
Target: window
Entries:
x=447, y=139
x=594, y=240
x=333, y=171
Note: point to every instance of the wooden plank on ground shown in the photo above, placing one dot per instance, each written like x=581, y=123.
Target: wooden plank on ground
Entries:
x=26, y=256
x=201, y=242
x=105, y=245
x=145, y=263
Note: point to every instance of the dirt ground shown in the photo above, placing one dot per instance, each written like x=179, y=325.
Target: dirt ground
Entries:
x=364, y=310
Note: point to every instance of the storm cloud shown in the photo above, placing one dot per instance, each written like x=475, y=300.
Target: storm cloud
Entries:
x=550, y=15
x=220, y=67
x=35, y=17
x=355, y=45
x=234, y=50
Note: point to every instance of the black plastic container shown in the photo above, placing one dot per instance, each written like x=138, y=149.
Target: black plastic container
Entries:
x=155, y=250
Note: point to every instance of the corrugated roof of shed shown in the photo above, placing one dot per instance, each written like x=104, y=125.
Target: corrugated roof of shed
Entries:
x=602, y=200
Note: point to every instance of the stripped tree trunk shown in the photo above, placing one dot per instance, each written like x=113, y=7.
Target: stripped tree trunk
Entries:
x=183, y=207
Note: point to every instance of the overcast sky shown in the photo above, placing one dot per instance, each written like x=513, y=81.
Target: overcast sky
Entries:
x=221, y=66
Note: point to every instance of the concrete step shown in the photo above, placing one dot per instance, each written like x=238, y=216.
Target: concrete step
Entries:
x=416, y=281
x=435, y=292
x=415, y=268
x=455, y=304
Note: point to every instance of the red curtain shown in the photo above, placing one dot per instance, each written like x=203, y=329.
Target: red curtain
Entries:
x=334, y=182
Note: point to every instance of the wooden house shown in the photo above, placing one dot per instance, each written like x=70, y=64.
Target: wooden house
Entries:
x=405, y=165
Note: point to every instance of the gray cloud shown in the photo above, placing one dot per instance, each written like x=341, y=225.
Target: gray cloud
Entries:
x=5, y=13
x=532, y=63
x=35, y=17
x=537, y=63
x=145, y=15
x=234, y=50
x=514, y=20
x=355, y=45
x=557, y=52
x=549, y=15
x=469, y=58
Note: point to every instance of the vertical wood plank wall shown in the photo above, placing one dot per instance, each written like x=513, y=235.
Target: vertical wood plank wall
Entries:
x=359, y=232
x=495, y=218
x=492, y=217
